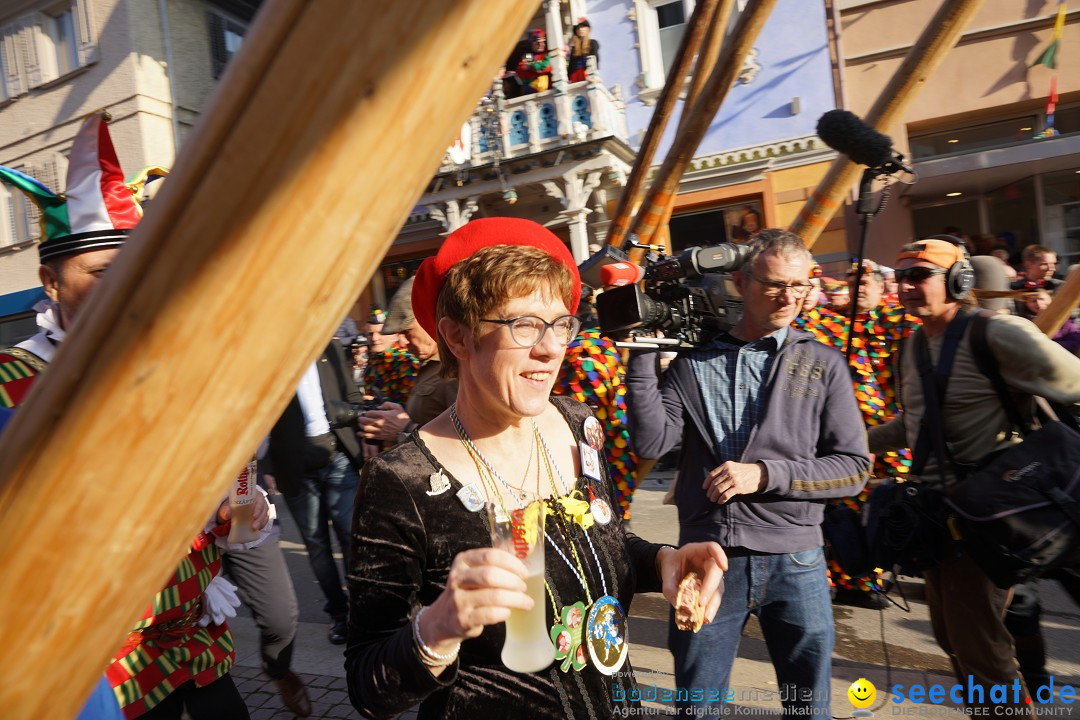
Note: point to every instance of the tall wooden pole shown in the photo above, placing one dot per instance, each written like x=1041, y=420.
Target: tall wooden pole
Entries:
x=940, y=35
x=710, y=53
x=319, y=140
x=669, y=96
x=666, y=181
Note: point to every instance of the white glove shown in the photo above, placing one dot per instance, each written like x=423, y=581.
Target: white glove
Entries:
x=219, y=602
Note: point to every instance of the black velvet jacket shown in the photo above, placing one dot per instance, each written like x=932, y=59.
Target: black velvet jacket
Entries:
x=403, y=543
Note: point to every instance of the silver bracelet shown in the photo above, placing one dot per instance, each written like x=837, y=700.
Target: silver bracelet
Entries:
x=428, y=656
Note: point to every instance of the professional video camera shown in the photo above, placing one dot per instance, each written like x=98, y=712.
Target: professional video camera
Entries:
x=688, y=298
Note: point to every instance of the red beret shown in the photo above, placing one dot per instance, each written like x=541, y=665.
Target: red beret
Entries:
x=473, y=236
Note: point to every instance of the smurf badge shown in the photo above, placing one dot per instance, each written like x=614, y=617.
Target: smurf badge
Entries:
x=594, y=434
x=471, y=498
x=590, y=462
x=605, y=635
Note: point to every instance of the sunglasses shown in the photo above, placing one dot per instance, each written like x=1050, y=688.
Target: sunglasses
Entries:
x=916, y=275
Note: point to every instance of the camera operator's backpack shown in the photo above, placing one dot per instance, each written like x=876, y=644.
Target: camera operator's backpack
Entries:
x=1019, y=512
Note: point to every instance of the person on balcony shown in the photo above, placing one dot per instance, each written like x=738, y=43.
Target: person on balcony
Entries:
x=534, y=70
x=581, y=47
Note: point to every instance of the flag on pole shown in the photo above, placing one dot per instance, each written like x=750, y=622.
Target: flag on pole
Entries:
x=1049, y=56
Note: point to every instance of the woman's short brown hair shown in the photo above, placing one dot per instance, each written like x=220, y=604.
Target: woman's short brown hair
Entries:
x=489, y=278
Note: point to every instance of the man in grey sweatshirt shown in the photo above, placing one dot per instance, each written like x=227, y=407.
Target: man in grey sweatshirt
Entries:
x=770, y=429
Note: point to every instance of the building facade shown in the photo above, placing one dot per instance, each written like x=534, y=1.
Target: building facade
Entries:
x=152, y=64
x=561, y=156
x=988, y=160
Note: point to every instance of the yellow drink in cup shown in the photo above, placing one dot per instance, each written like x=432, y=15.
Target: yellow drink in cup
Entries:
x=528, y=646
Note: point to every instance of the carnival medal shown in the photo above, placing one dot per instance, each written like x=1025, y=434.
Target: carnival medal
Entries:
x=567, y=637
x=606, y=635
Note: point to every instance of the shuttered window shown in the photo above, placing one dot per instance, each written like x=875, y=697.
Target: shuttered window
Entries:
x=42, y=46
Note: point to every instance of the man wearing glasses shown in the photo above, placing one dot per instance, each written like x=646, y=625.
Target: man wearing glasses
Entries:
x=770, y=430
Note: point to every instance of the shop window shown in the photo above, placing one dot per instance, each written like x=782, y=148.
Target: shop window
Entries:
x=16, y=328
x=973, y=138
x=726, y=223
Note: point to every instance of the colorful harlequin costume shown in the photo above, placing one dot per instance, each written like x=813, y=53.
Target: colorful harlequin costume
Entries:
x=167, y=646
x=593, y=373
x=535, y=67
x=878, y=334
x=393, y=373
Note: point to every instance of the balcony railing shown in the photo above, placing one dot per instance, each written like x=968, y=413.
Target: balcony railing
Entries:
x=567, y=114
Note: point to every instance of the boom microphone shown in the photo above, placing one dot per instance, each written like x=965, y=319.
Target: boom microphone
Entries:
x=845, y=133
x=621, y=273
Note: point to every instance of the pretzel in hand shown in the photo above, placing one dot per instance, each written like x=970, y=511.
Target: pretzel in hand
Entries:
x=689, y=612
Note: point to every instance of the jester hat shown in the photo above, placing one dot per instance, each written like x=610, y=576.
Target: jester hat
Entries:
x=99, y=209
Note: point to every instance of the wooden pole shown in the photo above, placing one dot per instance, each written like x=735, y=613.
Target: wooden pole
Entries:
x=707, y=57
x=940, y=35
x=319, y=140
x=666, y=181
x=1061, y=306
x=669, y=96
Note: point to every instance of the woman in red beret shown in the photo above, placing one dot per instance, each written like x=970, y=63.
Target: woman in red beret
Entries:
x=429, y=594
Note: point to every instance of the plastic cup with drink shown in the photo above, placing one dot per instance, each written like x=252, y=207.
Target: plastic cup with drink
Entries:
x=242, y=506
x=520, y=531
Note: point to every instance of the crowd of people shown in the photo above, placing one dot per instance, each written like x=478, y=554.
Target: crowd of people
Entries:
x=404, y=443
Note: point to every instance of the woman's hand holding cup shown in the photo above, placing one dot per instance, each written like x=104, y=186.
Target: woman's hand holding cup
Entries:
x=482, y=587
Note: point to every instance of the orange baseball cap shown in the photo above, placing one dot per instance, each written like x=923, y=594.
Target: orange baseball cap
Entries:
x=939, y=252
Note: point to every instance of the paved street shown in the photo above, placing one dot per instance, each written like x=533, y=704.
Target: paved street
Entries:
x=863, y=639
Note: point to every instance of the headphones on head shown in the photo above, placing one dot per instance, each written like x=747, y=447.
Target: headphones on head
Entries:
x=960, y=277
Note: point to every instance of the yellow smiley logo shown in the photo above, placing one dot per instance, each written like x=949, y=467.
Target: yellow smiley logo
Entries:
x=862, y=693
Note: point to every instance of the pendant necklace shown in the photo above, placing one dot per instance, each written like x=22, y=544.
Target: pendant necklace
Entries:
x=605, y=625
x=599, y=630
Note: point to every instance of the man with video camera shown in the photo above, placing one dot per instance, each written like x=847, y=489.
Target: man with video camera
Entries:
x=769, y=430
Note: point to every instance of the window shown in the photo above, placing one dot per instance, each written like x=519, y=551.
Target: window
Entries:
x=661, y=24
x=15, y=217
x=226, y=37
x=42, y=46
x=671, y=21
x=59, y=51
x=973, y=138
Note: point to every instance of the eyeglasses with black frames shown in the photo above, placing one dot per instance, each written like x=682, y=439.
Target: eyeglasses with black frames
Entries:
x=528, y=330
x=774, y=288
x=918, y=274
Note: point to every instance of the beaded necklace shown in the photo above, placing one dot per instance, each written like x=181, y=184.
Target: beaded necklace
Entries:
x=603, y=622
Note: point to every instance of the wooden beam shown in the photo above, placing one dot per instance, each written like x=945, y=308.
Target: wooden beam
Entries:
x=323, y=133
x=940, y=35
x=733, y=55
x=669, y=96
x=710, y=53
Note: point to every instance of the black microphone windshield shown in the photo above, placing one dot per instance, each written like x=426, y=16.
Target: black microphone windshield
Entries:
x=845, y=133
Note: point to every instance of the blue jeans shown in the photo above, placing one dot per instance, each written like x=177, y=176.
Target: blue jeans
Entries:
x=790, y=596
x=326, y=497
